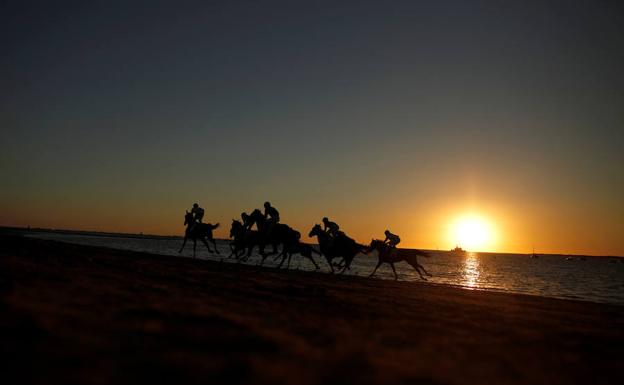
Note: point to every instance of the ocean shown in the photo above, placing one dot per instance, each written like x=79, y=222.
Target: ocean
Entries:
x=595, y=279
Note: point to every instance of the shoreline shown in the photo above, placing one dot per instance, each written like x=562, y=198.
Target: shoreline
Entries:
x=20, y=230
x=84, y=314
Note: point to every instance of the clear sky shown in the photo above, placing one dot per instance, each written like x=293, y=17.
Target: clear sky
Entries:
x=118, y=115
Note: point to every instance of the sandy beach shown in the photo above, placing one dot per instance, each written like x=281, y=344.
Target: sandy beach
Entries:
x=74, y=314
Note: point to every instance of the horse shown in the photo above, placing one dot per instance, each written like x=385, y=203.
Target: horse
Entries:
x=199, y=231
x=271, y=233
x=391, y=255
x=338, y=246
x=294, y=246
x=242, y=239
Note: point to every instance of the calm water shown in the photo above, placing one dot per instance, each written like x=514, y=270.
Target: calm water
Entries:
x=592, y=279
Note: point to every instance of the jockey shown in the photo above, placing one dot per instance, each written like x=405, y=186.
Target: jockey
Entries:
x=330, y=227
x=198, y=214
x=271, y=215
x=391, y=240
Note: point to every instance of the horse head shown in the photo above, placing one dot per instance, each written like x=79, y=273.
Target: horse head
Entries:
x=316, y=230
x=376, y=244
x=236, y=228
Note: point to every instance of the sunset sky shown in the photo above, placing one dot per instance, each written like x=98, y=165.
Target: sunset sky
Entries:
x=400, y=115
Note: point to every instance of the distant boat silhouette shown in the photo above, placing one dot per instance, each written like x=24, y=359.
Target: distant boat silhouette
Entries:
x=458, y=249
x=533, y=255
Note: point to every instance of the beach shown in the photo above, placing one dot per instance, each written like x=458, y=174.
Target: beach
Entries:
x=74, y=314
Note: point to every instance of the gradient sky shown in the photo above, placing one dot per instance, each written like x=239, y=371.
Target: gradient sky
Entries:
x=118, y=115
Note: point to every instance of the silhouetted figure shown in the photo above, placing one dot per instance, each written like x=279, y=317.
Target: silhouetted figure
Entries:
x=244, y=239
x=391, y=240
x=197, y=213
x=272, y=233
x=337, y=247
x=271, y=215
x=391, y=255
x=330, y=227
x=196, y=230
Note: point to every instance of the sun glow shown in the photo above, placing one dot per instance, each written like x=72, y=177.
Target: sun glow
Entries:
x=473, y=233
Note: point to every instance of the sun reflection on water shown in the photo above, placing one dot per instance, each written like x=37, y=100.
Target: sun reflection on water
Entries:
x=471, y=270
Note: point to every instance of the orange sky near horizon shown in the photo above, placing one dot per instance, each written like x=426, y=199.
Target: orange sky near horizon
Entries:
x=427, y=224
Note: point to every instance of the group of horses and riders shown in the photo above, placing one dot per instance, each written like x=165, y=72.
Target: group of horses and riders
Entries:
x=338, y=249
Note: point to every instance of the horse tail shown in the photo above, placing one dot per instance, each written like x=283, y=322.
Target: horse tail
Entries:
x=214, y=226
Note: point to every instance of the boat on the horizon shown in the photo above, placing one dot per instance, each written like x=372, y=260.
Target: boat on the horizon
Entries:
x=458, y=249
x=533, y=255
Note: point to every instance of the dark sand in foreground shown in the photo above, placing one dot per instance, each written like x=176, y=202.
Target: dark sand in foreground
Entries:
x=77, y=314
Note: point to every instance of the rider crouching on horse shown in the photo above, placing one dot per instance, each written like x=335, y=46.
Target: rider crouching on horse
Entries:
x=392, y=240
x=198, y=215
x=330, y=227
x=271, y=215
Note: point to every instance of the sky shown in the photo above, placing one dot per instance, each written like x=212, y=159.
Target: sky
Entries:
x=401, y=115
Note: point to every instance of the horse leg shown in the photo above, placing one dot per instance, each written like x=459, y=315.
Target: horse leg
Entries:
x=288, y=265
x=345, y=267
x=313, y=261
x=183, y=244
x=214, y=243
x=423, y=269
x=231, y=251
x=396, y=277
x=417, y=267
x=207, y=245
x=329, y=262
x=283, y=255
x=376, y=267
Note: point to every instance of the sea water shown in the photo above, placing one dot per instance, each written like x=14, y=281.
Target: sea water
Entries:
x=596, y=279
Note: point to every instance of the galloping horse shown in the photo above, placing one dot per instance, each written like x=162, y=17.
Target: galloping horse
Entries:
x=387, y=254
x=201, y=231
x=271, y=234
x=339, y=246
x=293, y=245
x=242, y=239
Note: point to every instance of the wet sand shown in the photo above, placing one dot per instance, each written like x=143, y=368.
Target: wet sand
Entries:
x=74, y=314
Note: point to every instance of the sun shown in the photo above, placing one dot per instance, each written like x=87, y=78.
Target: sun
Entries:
x=472, y=232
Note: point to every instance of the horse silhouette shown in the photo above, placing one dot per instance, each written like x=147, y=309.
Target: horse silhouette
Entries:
x=271, y=234
x=243, y=239
x=293, y=245
x=339, y=246
x=201, y=231
x=391, y=255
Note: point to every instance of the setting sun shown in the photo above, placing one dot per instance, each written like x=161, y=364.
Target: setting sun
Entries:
x=472, y=232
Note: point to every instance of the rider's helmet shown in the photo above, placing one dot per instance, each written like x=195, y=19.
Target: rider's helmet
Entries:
x=267, y=204
x=325, y=220
x=387, y=232
x=195, y=205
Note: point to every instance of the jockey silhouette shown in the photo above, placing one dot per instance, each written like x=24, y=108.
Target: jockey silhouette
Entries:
x=392, y=240
x=271, y=215
x=330, y=227
x=198, y=215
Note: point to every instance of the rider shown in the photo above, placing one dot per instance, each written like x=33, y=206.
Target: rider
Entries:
x=198, y=215
x=330, y=227
x=271, y=215
x=391, y=240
